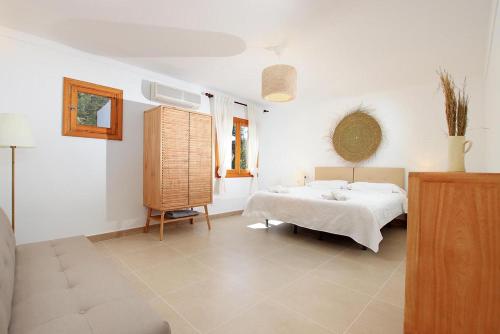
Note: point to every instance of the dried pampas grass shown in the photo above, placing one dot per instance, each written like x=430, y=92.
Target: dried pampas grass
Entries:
x=450, y=105
x=462, y=110
x=456, y=107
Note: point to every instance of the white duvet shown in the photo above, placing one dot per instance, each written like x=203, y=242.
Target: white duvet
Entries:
x=360, y=217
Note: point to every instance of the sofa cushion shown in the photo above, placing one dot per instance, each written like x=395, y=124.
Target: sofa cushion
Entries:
x=7, y=266
x=66, y=286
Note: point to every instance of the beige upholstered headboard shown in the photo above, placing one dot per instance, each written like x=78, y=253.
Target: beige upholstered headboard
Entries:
x=334, y=173
x=380, y=175
x=362, y=174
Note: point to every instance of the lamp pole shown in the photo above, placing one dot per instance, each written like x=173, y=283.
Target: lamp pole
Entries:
x=14, y=132
x=13, y=148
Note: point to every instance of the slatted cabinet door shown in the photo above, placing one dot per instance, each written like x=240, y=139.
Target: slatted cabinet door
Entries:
x=152, y=175
x=175, y=158
x=200, y=159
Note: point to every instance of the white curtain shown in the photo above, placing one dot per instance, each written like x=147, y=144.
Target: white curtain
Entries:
x=253, y=144
x=221, y=109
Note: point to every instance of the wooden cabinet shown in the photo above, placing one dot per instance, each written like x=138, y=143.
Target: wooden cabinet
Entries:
x=177, y=161
x=453, y=260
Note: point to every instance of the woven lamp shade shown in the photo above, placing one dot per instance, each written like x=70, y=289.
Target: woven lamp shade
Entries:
x=357, y=137
x=279, y=83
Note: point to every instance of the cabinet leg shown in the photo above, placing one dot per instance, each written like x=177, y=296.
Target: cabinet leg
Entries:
x=191, y=221
x=148, y=219
x=206, y=217
x=162, y=221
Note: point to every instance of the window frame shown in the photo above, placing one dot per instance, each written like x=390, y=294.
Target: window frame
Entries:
x=70, y=99
x=237, y=172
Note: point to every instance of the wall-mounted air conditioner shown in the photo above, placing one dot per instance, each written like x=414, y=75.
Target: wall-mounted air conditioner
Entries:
x=174, y=96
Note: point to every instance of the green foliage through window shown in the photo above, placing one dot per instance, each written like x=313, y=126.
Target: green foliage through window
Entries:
x=244, y=147
x=233, y=148
x=88, y=106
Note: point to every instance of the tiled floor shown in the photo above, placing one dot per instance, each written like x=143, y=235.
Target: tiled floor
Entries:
x=237, y=279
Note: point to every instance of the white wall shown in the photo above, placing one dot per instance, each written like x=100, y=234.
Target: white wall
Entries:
x=492, y=98
x=67, y=185
x=295, y=136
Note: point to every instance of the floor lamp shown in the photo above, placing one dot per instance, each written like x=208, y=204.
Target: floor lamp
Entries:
x=14, y=132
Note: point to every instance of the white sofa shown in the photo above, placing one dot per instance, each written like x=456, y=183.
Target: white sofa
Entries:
x=66, y=286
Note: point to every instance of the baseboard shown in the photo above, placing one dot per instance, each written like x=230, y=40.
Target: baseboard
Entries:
x=153, y=226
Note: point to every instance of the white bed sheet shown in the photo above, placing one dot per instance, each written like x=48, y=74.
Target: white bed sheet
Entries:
x=360, y=217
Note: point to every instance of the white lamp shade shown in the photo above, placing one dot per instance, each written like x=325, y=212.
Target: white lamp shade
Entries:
x=279, y=83
x=15, y=131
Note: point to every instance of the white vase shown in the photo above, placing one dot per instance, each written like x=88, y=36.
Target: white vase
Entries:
x=457, y=147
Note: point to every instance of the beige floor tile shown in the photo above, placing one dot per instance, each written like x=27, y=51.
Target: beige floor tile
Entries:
x=255, y=272
x=131, y=243
x=192, y=245
x=222, y=277
x=252, y=245
x=379, y=318
x=266, y=276
x=328, y=304
x=177, y=324
x=180, y=230
x=150, y=256
x=396, y=244
x=298, y=257
x=131, y=277
x=269, y=317
x=388, y=258
x=140, y=286
x=275, y=228
x=224, y=260
x=394, y=235
x=402, y=268
x=209, y=303
x=354, y=274
x=329, y=246
x=118, y=264
x=169, y=276
x=234, y=224
x=394, y=290
x=101, y=248
x=281, y=233
x=221, y=236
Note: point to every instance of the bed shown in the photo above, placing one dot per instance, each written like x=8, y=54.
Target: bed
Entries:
x=360, y=217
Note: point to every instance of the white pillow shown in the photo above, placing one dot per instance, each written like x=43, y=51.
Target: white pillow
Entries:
x=328, y=184
x=378, y=187
x=336, y=195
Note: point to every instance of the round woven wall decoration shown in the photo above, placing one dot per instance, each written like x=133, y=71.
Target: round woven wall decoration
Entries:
x=357, y=136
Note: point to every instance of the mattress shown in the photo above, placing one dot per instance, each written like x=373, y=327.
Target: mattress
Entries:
x=360, y=217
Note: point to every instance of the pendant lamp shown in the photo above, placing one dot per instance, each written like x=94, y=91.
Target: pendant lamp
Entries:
x=279, y=83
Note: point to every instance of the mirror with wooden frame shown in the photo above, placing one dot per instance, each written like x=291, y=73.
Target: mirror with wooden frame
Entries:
x=91, y=110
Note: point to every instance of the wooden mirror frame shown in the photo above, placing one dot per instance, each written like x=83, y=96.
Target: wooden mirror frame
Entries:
x=70, y=99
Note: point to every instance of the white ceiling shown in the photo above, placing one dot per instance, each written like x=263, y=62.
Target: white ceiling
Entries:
x=340, y=47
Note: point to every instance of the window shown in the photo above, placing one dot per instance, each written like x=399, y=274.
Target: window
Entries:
x=239, y=159
x=91, y=110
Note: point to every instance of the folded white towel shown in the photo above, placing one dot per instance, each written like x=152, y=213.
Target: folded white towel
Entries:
x=279, y=190
x=335, y=196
